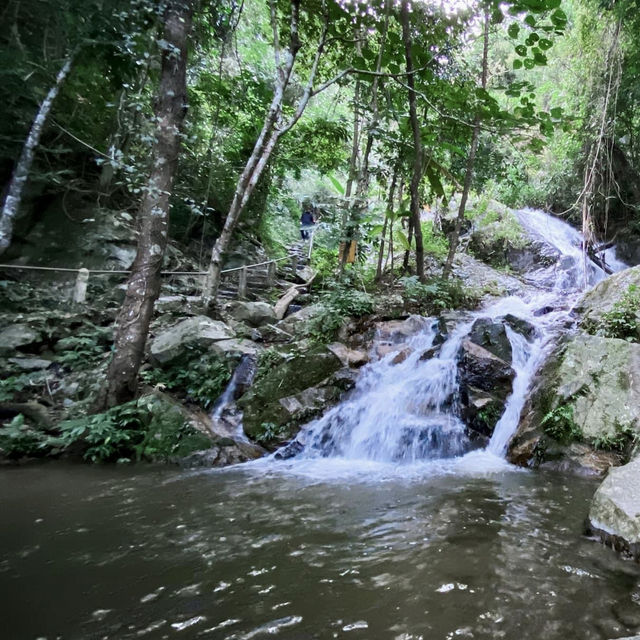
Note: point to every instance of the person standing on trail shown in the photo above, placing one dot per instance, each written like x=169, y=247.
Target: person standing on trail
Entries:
x=306, y=222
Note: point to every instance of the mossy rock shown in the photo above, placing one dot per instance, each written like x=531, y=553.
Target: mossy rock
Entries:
x=283, y=395
x=591, y=381
x=173, y=432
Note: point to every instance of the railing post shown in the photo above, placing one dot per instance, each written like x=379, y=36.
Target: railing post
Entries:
x=242, y=283
x=271, y=274
x=294, y=263
x=80, y=288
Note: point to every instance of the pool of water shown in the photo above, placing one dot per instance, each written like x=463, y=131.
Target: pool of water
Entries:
x=266, y=551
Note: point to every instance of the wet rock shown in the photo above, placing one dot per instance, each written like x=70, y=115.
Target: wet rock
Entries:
x=244, y=374
x=198, y=331
x=396, y=331
x=290, y=450
x=348, y=357
x=615, y=510
x=491, y=336
x=401, y=356
x=442, y=331
x=481, y=410
x=520, y=326
x=482, y=369
x=254, y=314
x=18, y=337
x=226, y=452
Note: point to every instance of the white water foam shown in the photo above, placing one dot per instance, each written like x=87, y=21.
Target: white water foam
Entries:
x=403, y=418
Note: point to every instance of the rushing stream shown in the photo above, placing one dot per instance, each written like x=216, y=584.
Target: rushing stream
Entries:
x=388, y=524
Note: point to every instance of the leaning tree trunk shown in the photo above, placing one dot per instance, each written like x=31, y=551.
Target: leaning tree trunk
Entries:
x=272, y=130
x=23, y=167
x=455, y=235
x=417, y=143
x=143, y=287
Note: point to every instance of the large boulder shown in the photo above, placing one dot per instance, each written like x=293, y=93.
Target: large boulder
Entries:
x=588, y=391
x=255, y=314
x=18, y=337
x=602, y=298
x=485, y=384
x=198, y=331
x=484, y=370
x=615, y=509
x=291, y=393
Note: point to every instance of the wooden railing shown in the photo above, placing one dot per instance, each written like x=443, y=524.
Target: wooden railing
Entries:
x=82, y=278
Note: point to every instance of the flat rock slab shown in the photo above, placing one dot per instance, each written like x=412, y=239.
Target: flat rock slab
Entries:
x=615, y=509
x=16, y=336
x=199, y=331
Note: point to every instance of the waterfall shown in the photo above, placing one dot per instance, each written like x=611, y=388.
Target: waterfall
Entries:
x=406, y=408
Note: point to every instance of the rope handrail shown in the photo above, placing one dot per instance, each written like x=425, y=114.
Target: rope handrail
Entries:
x=114, y=271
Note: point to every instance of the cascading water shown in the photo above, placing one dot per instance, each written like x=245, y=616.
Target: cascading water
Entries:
x=407, y=411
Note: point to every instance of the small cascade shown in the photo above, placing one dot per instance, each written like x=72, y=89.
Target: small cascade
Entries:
x=409, y=410
x=225, y=415
x=400, y=412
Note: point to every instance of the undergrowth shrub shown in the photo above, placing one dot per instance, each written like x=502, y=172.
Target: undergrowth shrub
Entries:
x=436, y=294
x=199, y=376
x=336, y=304
x=560, y=425
x=623, y=321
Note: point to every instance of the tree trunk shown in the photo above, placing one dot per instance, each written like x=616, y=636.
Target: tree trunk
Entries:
x=362, y=187
x=273, y=129
x=455, y=235
x=388, y=219
x=417, y=143
x=143, y=287
x=262, y=150
x=23, y=167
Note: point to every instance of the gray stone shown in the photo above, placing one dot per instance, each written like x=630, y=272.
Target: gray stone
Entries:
x=18, y=336
x=255, y=314
x=348, y=357
x=234, y=347
x=492, y=336
x=291, y=393
x=599, y=378
x=615, y=509
x=605, y=294
x=520, y=326
x=293, y=324
x=482, y=369
x=198, y=331
x=30, y=364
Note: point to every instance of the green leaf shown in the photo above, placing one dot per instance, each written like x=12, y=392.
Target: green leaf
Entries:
x=545, y=44
x=517, y=64
x=403, y=240
x=556, y=112
x=559, y=18
x=513, y=30
x=530, y=20
x=336, y=184
x=521, y=50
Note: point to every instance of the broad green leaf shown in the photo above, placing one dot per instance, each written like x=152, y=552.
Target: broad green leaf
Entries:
x=336, y=184
x=403, y=240
x=513, y=30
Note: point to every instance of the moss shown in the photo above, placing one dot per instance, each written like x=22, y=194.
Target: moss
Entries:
x=261, y=404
